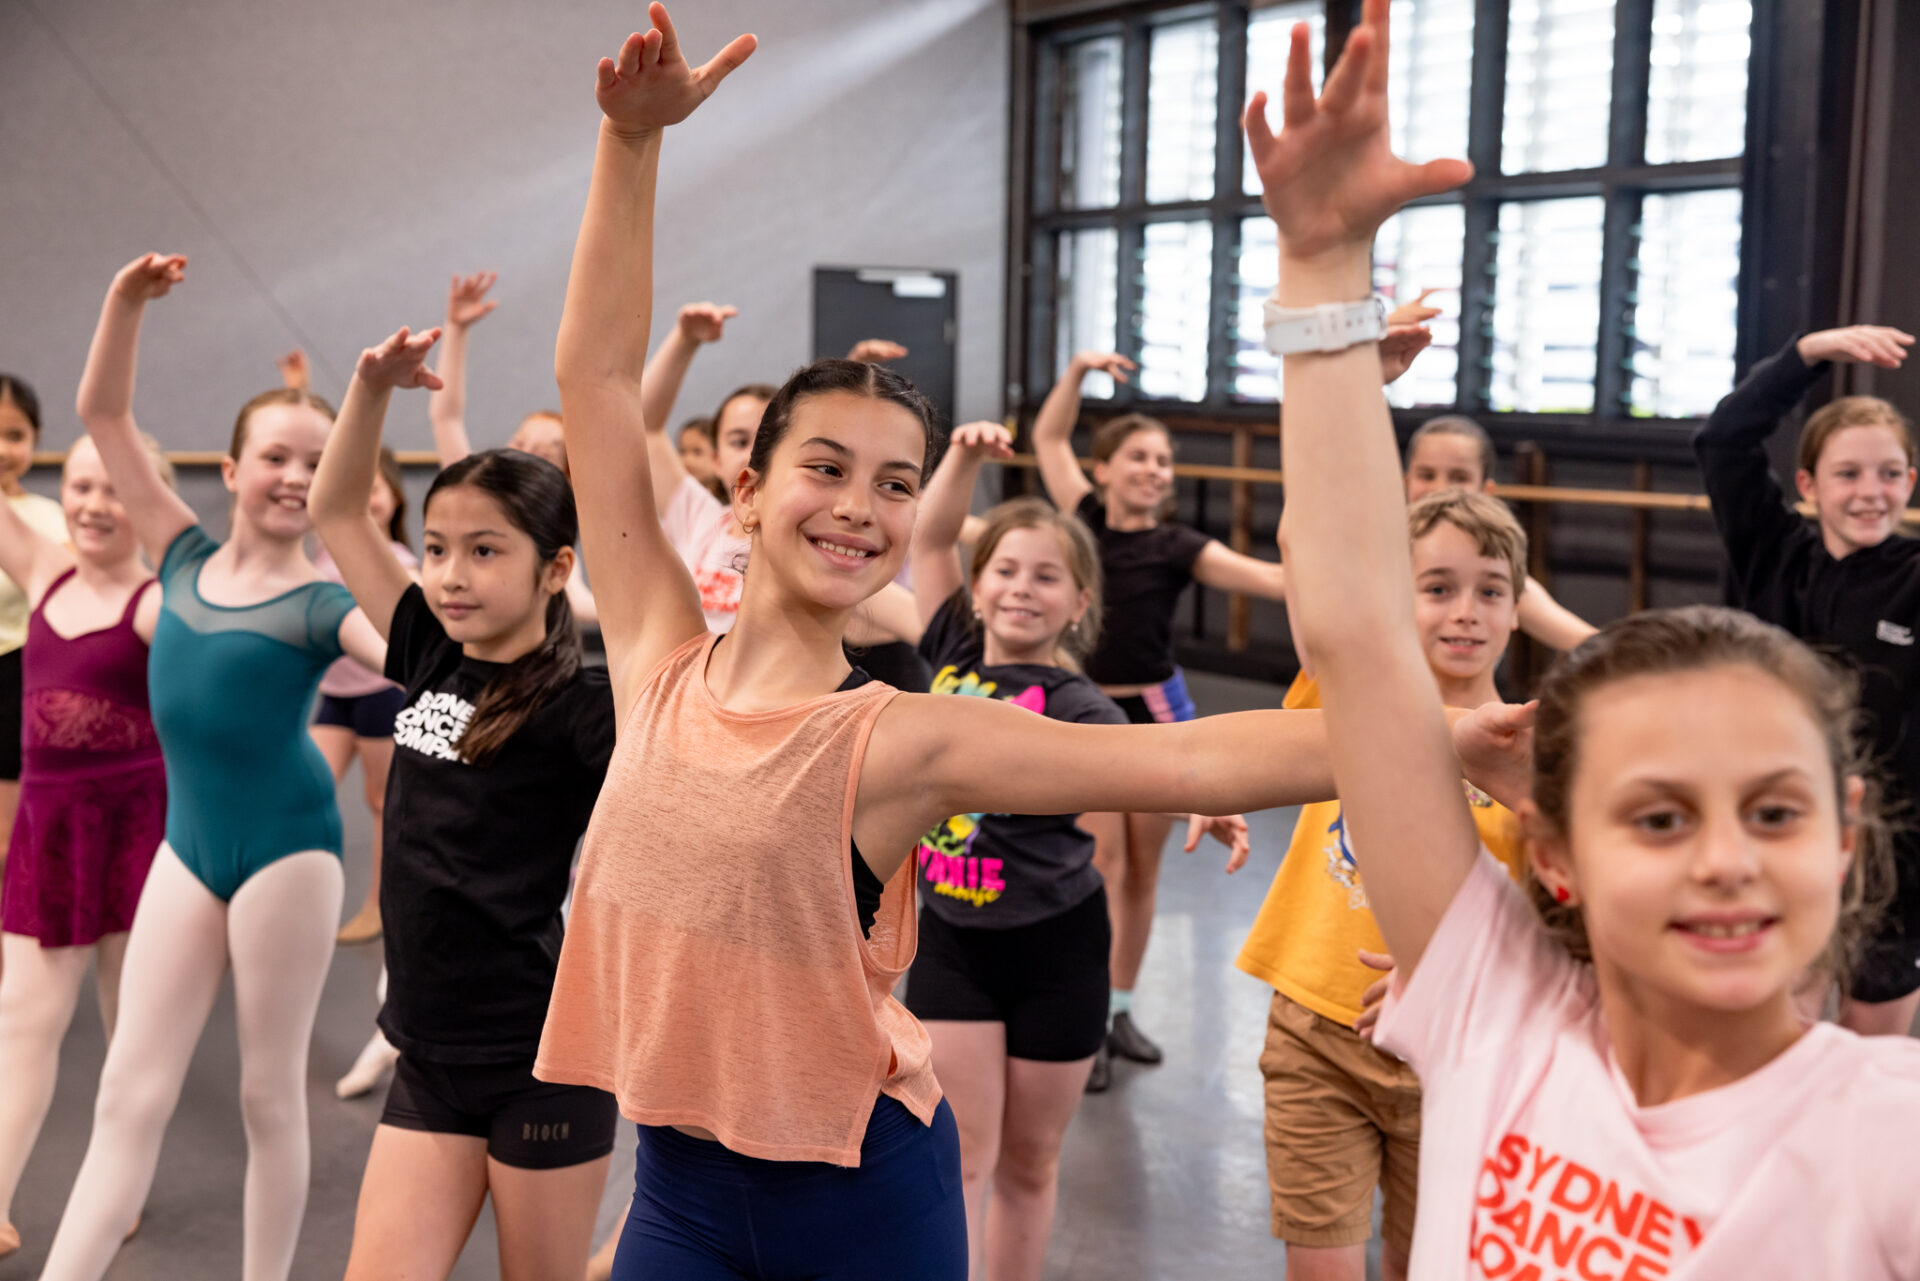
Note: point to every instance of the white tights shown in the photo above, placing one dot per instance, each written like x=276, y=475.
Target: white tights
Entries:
x=39, y=990
x=278, y=932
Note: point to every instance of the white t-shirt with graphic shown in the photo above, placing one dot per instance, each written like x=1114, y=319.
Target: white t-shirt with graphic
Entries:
x=1538, y=1164
x=700, y=528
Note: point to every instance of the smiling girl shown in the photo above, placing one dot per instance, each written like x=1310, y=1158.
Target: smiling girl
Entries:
x=1615, y=1077
x=93, y=788
x=249, y=872
x=731, y=984
x=1850, y=582
x=500, y=748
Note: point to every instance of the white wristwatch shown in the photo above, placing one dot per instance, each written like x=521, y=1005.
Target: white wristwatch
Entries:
x=1331, y=326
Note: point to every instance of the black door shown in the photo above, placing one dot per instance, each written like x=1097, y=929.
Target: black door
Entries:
x=912, y=307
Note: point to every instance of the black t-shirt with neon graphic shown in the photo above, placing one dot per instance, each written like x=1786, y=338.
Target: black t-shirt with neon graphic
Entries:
x=998, y=871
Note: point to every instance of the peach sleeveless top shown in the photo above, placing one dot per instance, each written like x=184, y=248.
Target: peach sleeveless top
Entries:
x=713, y=973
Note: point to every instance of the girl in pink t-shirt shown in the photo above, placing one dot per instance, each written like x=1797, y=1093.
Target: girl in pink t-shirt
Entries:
x=1617, y=1082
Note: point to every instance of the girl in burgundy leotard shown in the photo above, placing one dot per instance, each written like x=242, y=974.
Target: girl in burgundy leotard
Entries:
x=93, y=792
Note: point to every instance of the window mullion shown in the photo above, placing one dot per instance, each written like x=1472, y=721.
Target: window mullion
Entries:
x=1227, y=199
x=1487, y=100
x=1626, y=146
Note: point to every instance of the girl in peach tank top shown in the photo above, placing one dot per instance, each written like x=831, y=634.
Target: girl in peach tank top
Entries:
x=731, y=983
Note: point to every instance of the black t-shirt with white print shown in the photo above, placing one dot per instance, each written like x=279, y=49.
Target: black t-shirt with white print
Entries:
x=998, y=871
x=476, y=861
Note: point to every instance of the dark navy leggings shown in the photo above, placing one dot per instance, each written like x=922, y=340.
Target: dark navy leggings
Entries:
x=703, y=1213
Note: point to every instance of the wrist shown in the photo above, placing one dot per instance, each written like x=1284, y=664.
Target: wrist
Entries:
x=1336, y=275
x=632, y=136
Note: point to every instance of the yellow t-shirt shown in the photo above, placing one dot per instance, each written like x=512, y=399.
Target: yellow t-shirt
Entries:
x=1306, y=940
x=49, y=521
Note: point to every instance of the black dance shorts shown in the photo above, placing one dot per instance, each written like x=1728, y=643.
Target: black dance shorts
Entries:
x=528, y=1124
x=1046, y=981
x=367, y=715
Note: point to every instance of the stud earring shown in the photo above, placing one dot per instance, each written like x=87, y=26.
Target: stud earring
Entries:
x=1561, y=894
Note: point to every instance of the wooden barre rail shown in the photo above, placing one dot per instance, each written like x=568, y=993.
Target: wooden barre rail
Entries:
x=1642, y=500
x=213, y=457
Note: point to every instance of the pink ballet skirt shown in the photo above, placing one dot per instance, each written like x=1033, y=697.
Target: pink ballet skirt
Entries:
x=93, y=788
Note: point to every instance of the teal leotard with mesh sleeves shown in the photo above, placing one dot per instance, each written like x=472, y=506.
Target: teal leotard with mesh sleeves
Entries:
x=231, y=687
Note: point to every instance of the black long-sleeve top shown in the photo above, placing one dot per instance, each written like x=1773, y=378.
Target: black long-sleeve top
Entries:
x=1863, y=608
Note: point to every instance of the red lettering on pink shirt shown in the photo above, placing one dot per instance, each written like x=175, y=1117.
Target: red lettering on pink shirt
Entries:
x=1567, y=1198
x=1624, y=1217
x=1656, y=1230
x=1551, y=1241
x=1511, y=1155
x=1542, y=1163
x=1641, y=1268
x=1594, y=1245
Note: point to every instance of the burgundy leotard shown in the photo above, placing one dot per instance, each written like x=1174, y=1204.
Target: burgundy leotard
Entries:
x=93, y=790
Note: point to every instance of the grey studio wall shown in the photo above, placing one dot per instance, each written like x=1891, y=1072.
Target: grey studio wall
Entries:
x=329, y=165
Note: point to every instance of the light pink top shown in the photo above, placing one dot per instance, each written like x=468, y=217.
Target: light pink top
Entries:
x=1537, y=1162
x=348, y=677
x=699, y=527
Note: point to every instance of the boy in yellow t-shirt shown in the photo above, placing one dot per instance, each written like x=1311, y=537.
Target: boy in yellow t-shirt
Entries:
x=1341, y=1116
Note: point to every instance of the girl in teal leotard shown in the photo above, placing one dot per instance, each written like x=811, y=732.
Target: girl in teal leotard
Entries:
x=249, y=873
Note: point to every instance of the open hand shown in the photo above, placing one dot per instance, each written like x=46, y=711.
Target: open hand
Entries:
x=293, y=370
x=1376, y=994
x=467, y=299
x=400, y=361
x=1111, y=363
x=650, y=85
x=1416, y=312
x=1330, y=178
x=705, y=321
x=150, y=276
x=876, y=351
x=1229, y=829
x=1495, y=745
x=1880, y=345
x=986, y=437
x=1398, y=346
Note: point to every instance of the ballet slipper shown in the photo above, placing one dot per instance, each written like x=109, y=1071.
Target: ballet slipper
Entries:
x=363, y=928
x=9, y=1239
x=367, y=1070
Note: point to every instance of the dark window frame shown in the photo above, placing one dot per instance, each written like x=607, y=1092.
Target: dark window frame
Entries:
x=1610, y=429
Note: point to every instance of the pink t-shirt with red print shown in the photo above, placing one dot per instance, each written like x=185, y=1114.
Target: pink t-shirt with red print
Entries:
x=700, y=528
x=1537, y=1163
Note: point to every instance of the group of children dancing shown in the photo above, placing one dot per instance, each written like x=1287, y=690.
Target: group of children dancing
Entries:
x=1585, y=940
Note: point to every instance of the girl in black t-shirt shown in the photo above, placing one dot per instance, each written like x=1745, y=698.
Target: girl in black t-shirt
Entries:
x=1147, y=563
x=499, y=752
x=1011, y=976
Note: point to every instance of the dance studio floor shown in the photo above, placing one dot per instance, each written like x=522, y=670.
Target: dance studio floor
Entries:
x=1163, y=1177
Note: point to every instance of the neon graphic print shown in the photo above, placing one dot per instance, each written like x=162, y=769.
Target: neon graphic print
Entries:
x=1339, y=854
x=946, y=853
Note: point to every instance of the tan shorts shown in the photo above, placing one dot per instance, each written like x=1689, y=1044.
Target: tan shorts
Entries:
x=1342, y=1119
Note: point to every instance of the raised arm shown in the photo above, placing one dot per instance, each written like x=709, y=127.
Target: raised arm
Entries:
x=350, y=466
x=937, y=571
x=467, y=303
x=105, y=403
x=1330, y=180
x=648, y=606
x=1053, y=427
x=698, y=322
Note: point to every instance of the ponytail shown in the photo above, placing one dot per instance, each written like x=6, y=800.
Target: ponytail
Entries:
x=529, y=683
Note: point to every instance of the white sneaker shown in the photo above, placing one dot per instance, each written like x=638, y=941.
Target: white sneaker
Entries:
x=367, y=1070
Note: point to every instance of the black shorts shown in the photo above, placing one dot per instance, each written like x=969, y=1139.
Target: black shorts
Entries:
x=10, y=701
x=1889, y=964
x=367, y=715
x=1046, y=981
x=528, y=1124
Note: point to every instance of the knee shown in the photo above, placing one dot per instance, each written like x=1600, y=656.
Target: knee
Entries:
x=978, y=1153
x=130, y=1101
x=27, y=1017
x=1029, y=1166
x=269, y=1107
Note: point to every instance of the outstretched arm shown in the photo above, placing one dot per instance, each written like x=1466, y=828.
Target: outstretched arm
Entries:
x=467, y=303
x=648, y=606
x=105, y=402
x=350, y=466
x=698, y=322
x=1226, y=570
x=937, y=571
x=1548, y=621
x=1053, y=427
x=1330, y=179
